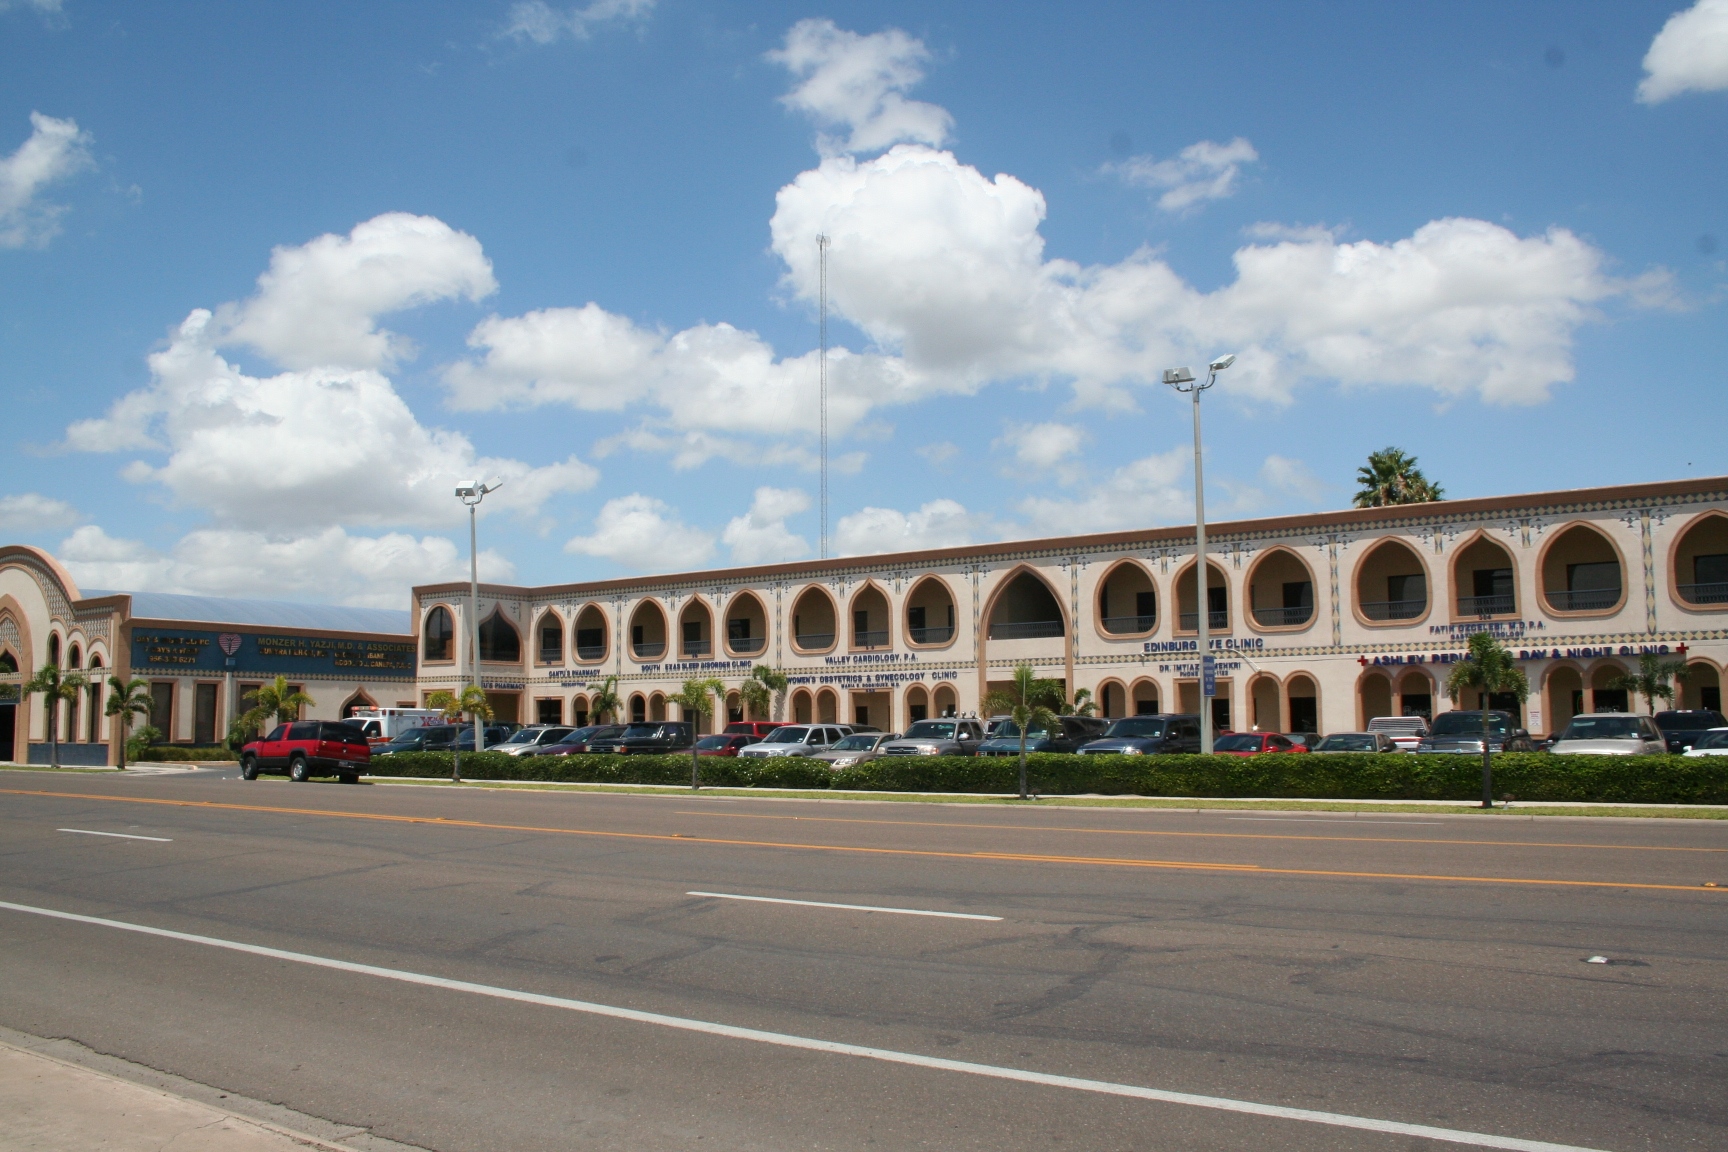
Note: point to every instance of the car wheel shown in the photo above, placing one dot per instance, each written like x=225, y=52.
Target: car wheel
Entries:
x=248, y=768
x=297, y=770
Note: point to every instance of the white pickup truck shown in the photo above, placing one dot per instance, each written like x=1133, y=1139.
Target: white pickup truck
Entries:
x=1404, y=731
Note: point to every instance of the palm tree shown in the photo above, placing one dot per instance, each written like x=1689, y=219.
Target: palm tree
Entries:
x=1391, y=477
x=1655, y=677
x=56, y=686
x=127, y=698
x=1488, y=668
x=1083, y=704
x=1031, y=704
x=605, y=702
x=764, y=693
x=697, y=699
x=471, y=703
x=276, y=700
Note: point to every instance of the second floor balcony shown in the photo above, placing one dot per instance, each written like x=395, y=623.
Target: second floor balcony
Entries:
x=877, y=638
x=1393, y=609
x=1128, y=625
x=1497, y=604
x=1190, y=621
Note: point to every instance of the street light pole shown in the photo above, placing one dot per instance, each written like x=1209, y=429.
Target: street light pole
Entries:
x=471, y=492
x=1182, y=379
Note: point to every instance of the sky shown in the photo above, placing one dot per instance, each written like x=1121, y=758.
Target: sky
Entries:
x=275, y=277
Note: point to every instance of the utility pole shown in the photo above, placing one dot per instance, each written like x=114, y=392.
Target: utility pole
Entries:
x=822, y=374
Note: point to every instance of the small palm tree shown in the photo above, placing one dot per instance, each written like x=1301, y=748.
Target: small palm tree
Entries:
x=697, y=699
x=1031, y=703
x=1083, y=704
x=1489, y=668
x=1391, y=477
x=764, y=693
x=278, y=701
x=606, y=702
x=472, y=703
x=57, y=686
x=126, y=699
x=1655, y=678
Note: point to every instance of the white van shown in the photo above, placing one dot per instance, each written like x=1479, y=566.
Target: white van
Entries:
x=1405, y=731
x=383, y=725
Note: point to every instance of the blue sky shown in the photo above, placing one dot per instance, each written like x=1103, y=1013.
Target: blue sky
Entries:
x=272, y=276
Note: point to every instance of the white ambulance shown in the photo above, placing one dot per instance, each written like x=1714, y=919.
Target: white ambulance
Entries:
x=383, y=725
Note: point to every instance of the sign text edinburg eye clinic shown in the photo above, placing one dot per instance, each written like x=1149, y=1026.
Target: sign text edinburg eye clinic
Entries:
x=188, y=650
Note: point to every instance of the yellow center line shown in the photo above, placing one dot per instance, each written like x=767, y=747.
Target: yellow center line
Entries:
x=680, y=838
x=729, y=814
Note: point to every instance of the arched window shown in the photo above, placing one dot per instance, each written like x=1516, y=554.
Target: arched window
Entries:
x=438, y=634
x=54, y=650
x=499, y=640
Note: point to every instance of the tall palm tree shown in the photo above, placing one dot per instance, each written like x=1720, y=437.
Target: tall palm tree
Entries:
x=127, y=698
x=1488, y=668
x=697, y=699
x=764, y=693
x=57, y=686
x=1391, y=477
x=1031, y=703
x=1654, y=678
x=471, y=703
x=605, y=702
x=1082, y=705
x=276, y=700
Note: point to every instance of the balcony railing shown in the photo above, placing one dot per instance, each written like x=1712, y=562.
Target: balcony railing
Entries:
x=1393, y=609
x=1026, y=630
x=870, y=639
x=646, y=648
x=1500, y=604
x=1704, y=593
x=931, y=635
x=1588, y=600
x=590, y=651
x=551, y=655
x=1190, y=621
x=747, y=644
x=1120, y=625
x=1283, y=617
x=698, y=647
x=812, y=641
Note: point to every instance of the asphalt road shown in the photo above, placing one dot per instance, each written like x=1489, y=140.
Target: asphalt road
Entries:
x=1417, y=970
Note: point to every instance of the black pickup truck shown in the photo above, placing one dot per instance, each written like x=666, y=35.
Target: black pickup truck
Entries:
x=654, y=736
x=1681, y=728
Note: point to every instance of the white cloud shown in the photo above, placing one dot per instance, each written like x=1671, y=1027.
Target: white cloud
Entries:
x=645, y=535
x=1282, y=483
x=329, y=566
x=939, y=524
x=46, y=7
x=858, y=84
x=538, y=21
x=760, y=536
x=940, y=452
x=1042, y=446
x=1689, y=54
x=1153, y=490
x=692, y=449
x=1203, y=171
x=55, y=150
x=30, y=512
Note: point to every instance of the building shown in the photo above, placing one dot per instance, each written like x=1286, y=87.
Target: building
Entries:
x=200, y=655
x=1320, y=622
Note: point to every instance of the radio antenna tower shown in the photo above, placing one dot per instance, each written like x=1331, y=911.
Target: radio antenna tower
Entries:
x=822, y=374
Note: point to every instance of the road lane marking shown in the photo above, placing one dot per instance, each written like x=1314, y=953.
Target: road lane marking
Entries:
x=844, y=907
x=116, y=835
x=1334, y=820
x=810, y=1044
x=681, y=838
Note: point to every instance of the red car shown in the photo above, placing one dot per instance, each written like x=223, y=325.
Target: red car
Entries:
x=308, y=748
x=1254, y=743
x=723, y=745
x=756, y=728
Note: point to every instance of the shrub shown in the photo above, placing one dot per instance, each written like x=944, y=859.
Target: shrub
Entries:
x=156, y=753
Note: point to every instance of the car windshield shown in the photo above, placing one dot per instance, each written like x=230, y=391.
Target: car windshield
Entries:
x=1347, y=742
x=1601, y=728
x=1689, y=721
x=526, y=736
x=412, y=736
x=856, y=744
x=640, y=731
x=714, y=742
x=1008, y=730
x=1136, y=726
x=1714, y=739
x=944, y=730
x=1241, y=742
x=1469, y=724
x=787, y=736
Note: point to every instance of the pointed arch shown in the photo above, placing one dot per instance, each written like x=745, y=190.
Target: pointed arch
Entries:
x=1126, y=601
x=548, y=634
x=696, y=643
x=1698, y=564
x=869, y=618
x=931, y=613
x=591, y=634
x=649, y=625
x=1390, y=585
x=815, y=621
x=1280, y=591
x=1187, y=614
x=438, y=634
x=500, y=643
x=746, y=625
x=1581, y=572
x=987, y=624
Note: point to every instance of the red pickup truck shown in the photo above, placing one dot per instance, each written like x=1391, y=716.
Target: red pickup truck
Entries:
x=308, y=748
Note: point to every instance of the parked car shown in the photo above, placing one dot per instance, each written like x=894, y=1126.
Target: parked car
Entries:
x=534, y=736
x=648, y=738
x=1147, y=736
x=756, y=728
x=1460, y=731
x=1253, y=744
x=308, y=748
x=1609, y=734
x=994, y=722
x=1682, y=727
x=724, y=744
x=1406, y=731
x=577, y=741
x=1307, y=739
x=436, y=738
x=1071, y=733
x=1357, y=742
x=796, y=740
x=1712, y=743
x=953, y=737
x=494, y=734
x=858, y=748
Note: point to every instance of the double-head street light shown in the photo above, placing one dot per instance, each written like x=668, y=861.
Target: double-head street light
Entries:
x=1182, y=379
x=471, y=492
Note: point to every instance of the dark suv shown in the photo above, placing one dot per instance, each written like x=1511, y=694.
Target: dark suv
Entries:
x=654, y=736
x=1682, y=728
x=308, y=748
x=1147, y=736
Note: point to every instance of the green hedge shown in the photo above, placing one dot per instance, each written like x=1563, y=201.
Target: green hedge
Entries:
x=1529, y=776
x=158, y=752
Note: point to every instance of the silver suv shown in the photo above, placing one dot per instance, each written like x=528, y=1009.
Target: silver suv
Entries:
x=938, y=738
x=797, y=740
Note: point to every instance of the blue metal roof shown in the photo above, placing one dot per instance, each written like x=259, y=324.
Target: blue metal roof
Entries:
x=267, y=613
